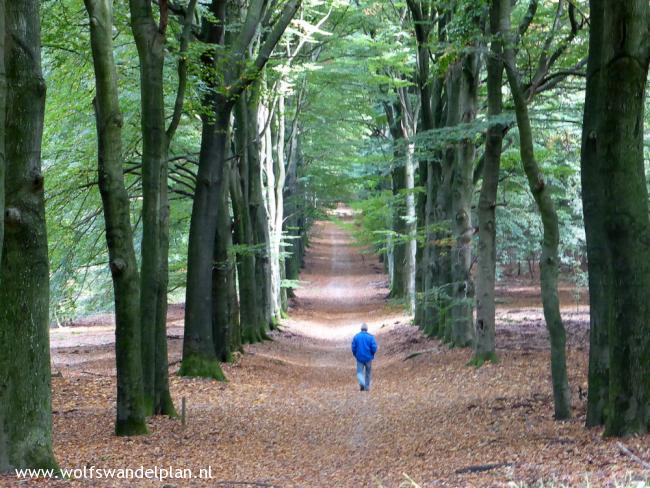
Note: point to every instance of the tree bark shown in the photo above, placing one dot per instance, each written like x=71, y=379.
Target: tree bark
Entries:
x=462, y=187
x=119, y=235
x=549, y=259
x=25, y=402
x=601, y=287
x=3, y=114
x=484, y=346
x=258, y=215
x=423, y=13
x=251, y=325
x=150, y=42
x=616, y=212
x=278, y=170
x=399, y=283
x=199, y=358
x=221, y=274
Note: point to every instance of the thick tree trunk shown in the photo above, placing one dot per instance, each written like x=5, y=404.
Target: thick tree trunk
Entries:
x=150, y=41
x=199, y=358
x=484, y=346
x=462, y=187
x=25, y=405
x=616, y=216
x=119, y=235
x=3, y=114
x=594, y=200
x=549, y=262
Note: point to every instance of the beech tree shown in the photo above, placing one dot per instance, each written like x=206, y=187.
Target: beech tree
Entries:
x=25, y=406
x=227, y=54
x=150, y=38
x=484, y=345
x=616, y=214
x=549, y=262
x=119, y=235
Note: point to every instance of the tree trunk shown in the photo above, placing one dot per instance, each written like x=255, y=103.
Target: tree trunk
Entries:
x=3, y=114
x=549, y=259
x=239, y=190
x=399, y=282
x=422, y=26
x=150, y=41
x=163, y=403
x=484, y=346
x=258, y=217
x=25, y=404
x=601, y=287
x=199, y=358
x=221, y=326
x=462, y=187
x=119, y=235
x=616, y=216
x=277, y=251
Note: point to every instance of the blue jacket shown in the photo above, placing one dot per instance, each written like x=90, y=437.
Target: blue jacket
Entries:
x=364, y=346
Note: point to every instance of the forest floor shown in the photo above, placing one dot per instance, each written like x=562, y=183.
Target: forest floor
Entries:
x=292, y=415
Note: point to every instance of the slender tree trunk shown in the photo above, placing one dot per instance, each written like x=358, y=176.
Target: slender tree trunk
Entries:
x=234, y=310
x=549, y=259
x=399, y=282
x=221, y=300
x=423, y=14
x=119, y=235
x=616, y=216
x=291, y=224
x=411, y=226
x=258, y=216
x=243, y=237
x=280, y=178
x=484, y=347
x=25, y=405
x=163, y=403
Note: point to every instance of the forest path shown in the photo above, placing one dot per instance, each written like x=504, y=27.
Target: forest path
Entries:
x=292, y=415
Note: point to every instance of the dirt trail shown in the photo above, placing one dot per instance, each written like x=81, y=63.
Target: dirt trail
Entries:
x=291, y=414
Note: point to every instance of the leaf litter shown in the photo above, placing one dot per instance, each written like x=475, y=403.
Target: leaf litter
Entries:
x=291, y=414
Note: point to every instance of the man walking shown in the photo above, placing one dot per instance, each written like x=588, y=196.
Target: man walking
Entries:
x=364, y=348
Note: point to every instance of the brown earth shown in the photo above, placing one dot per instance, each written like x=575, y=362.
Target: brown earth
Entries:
x=291, y=414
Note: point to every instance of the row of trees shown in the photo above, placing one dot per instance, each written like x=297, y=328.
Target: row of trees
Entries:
x=220, y=126
x=245, y=189
x=465, y=55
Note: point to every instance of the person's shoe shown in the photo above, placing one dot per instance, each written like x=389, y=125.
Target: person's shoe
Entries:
x=361, y=388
